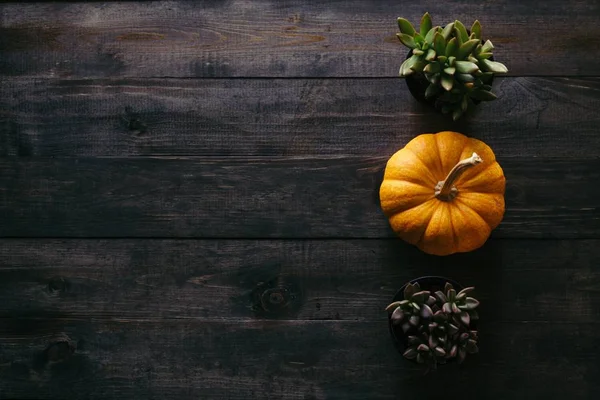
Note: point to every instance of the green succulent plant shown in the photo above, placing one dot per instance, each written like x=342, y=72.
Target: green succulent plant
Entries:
x=456, y=63
x=438, y=327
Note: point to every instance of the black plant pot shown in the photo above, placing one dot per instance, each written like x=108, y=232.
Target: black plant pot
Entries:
x=430, y=283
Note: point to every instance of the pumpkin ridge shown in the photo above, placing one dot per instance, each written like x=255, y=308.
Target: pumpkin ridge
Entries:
x=451, y=223
x=424, y=165
x=422, y=198
x=426, y=225
x=441, y=136
x=400, y=210
x=489, y=183
x=440, y=164
x=474, y=212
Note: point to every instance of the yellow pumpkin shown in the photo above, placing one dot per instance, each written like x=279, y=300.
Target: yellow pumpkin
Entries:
x=443, y=192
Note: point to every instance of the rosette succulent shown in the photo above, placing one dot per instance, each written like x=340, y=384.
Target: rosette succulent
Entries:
x=456, y=63
x=438, y=328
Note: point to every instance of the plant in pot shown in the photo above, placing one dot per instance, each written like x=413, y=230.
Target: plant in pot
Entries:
x=434, y=326
x=450, y=68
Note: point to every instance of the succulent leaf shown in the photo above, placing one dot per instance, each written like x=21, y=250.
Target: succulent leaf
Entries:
x=393, y=305
x=487, y=47
x=447, y=287
x=414, y=320
x=447, y=31
x=435, y=80
x=439, y=352
x=406, y=27
x=441, y=296
x=418, y=52
x=426, y=311
x=466, y=67
x=420, y=297
x=483, y=56
x=450, y=70
x=494, y=66
x=397, y=316
x=430, y=301
x=430, y=56
x=423, y=348
x=465, y=77
x=442, y=59
x=465, y=318
x=451, y=47
x=430, y=37
x=410, y=353
x=447, y=308
x=455, y=308
x=409, y=290
x=439, y=43
x=453, y=351
x=433, y=342
x=447, y=82
x=476, y=29
x=452, y=329
x=426, y=24
x=405, y=67
x=405, y=327
x=404, y=303
x=462, y=31
x=407, y=40
x=420, y=40
x=471, y=303
x=467, y=48
x=451, y=294
x=467, y=290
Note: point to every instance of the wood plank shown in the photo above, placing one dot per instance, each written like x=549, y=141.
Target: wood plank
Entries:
x=191, y=359
x=542, y=280
x=58, y=118
x=264, y=198
x=298, y=38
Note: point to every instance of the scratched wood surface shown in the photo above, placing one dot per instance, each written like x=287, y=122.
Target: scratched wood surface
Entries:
x=298, y=38
x=549, y=117
x=148, y=215
x=245, y=197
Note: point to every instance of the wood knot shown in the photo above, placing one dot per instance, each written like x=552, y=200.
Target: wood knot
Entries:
x=57, y=284
x=276, y=298
x=60, y=349
x=134, y=123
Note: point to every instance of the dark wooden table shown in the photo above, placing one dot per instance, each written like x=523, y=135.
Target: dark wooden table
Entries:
x=189, y=201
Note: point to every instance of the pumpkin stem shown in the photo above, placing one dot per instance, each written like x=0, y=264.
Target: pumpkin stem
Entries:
x=445, y=190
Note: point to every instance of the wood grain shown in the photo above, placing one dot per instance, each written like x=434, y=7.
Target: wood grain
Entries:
x=241, y=117
x=542, y=281
x=264, y=198
x=298, y=38
x=192, y=359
